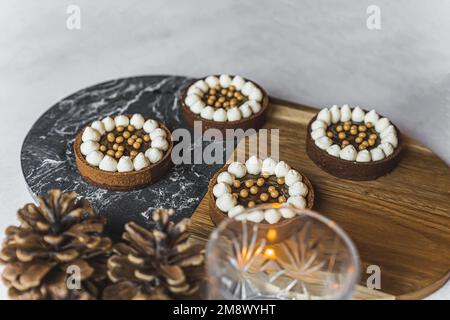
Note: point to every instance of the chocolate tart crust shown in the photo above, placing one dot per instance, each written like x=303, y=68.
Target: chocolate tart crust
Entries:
x=282, y=227
x=123, y=181
x=351, y=170
x=255, y=121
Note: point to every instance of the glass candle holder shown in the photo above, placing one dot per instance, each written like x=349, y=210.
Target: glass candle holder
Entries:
x=302, y=258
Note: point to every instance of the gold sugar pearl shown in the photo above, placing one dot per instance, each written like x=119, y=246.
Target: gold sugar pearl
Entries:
x=266, y=176
x=372, y=142
x=131, y=128
x=362, y=134
x=130, y=141
x=115, y=146
x=373, y=136
x=126, y=134
x=274, y=194
x=240, y=97
x=134, y=136
x=362, y=128
x=133, y=153
x=362, y=147
x=233, y=102
x=330, y=134
x=136, y=145
x=345, y=143
x=271, y=188
x=353, y=132
x=121, y=148
x=237, y=94
x=366, y=143
x=254, y=190
x=103, y=148
x=212, y=91
x=139, y=140
x=369, y=125
x=236, y=183
x=230, y=94
x=260, y=182
x=348, y=123
x=264, y=197
x=354, y=127
x=217, y=104
x=111, y=137
x=358, y=140
x=346, y=127
x=281, y=199
x=280, y=180
x=146, y=138
x=339, y=128
x=111, y=153
x=251, y=204
x=232, y=88
x=226, y=104
x=217, y=87
x=249, y=183
x=342, y=135
x=119, y=139
x=223, y=92
x=243, y=193
x=118, y=154
x=221, y=99
x=120, y=129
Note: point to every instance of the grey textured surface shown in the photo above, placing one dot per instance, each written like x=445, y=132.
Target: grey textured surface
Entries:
x=48, y=159
x=317, y=52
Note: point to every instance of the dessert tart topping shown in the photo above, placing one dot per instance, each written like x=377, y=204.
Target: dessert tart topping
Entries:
x=256, y=182
x=354, y=135
x=224, y=98
x=123, y=143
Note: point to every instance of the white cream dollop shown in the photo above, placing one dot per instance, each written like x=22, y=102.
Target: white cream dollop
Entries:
x=254, y=165
x=254, y=105
x=108, y=164
x=256, y=94
x=121, y=120
x=89, y=146
x=346, y=113
x=150, y=125
x=225, y=177
x=377, y=154
x=191, y=99
x=387, y=148
x=160, y=143
x=335, y=114
x=99, y=126
x=137, y=121
x=287, y=213
x=324, y=115
x=387, y=131
x=154, y=155
x=272, y=216
x=194, y=90
x=268, y=166
x=237, y=169
x=298, y=189
x=382, y=124
x=318, y=124
x=247, y=88
x=236, y=210
x=234, y=114
x=90, y=134
x=282, y=169
x=202, y=85
x=220, y=115
x=212, y=81
x=391, y=138
x=207, y=113
x=125, y=164
x=225, y=80
x=292, y=177
x=140, y=162
x=318, y=133
x=255, y=216
x=198, y=107
x=158, y=132
x=371, y=117
x=334, y=150
x=226, y=202
x=220, y=189
x=363, y=156
x=94, y=158
x=323, y=142
x=109, y=124
x=297, y=201
x=358, y=114
x=348, y=153
x=245, y=109
x=238, y=82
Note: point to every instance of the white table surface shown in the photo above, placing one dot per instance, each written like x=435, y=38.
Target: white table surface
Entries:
x=313, y=52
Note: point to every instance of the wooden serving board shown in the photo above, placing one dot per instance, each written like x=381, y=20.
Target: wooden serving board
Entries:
x=400, y=222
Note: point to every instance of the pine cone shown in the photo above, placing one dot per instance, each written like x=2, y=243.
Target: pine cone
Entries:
x=59, y=233
x=155, y=264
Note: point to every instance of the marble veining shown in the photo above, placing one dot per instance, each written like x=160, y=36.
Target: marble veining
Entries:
x=48, y=160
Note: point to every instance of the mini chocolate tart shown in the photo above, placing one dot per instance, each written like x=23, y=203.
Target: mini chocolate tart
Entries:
x=351, y=143
x=124, y=153
x=224, y=102
x=238, y=186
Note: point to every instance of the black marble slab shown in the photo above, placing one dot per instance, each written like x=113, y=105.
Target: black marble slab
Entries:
x=48, y=160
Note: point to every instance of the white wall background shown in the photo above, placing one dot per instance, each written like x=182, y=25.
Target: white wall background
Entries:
x=316, y=52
